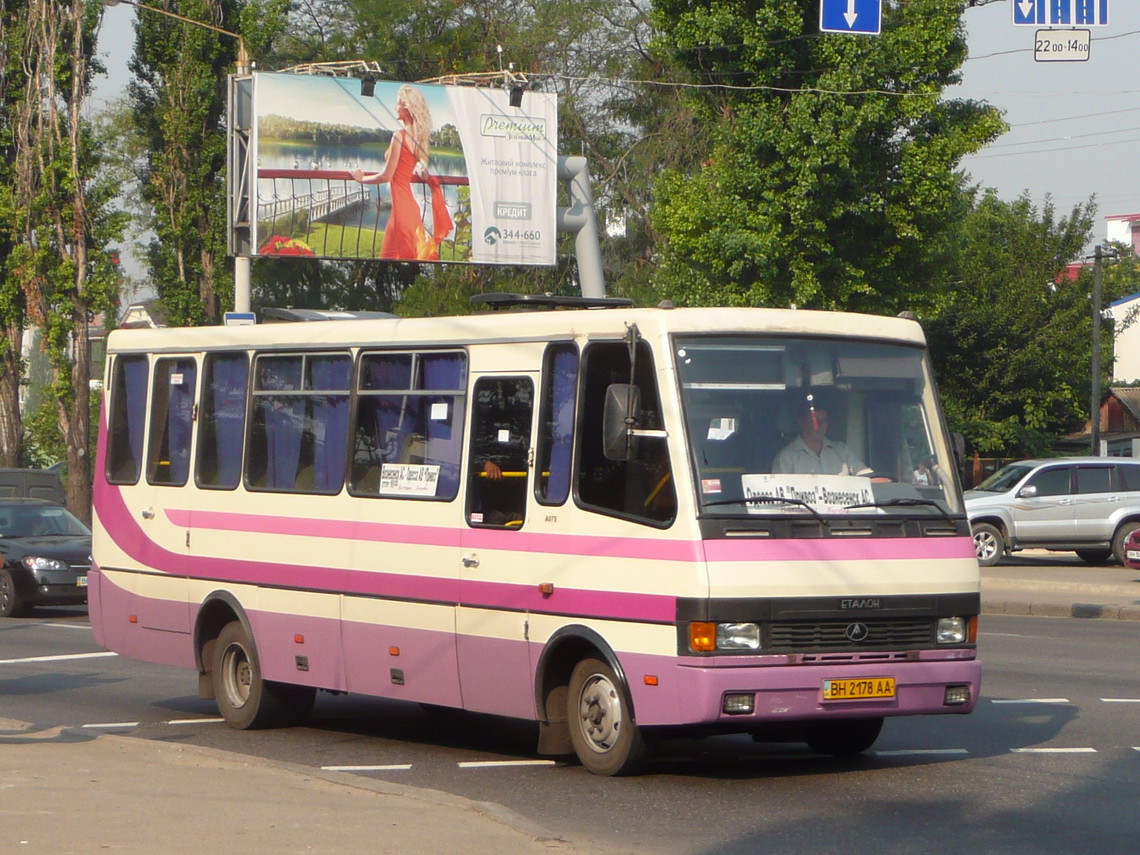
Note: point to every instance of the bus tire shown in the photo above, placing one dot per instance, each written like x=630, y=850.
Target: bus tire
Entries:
x=602, y=730
x=245, y=700
x=844, y=737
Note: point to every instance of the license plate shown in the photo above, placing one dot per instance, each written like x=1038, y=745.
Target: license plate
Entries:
x=857, y=690
x=81, y=581
x=1134, y=554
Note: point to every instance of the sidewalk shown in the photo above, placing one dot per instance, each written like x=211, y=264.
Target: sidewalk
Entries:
x=64, y=791
x=1060, y=585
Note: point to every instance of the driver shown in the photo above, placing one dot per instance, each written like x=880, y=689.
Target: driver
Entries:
x=812, y=453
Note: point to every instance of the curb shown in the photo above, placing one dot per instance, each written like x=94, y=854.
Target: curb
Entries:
x=1093, y=611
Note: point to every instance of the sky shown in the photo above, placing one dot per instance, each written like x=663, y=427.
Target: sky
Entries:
x=1074, y=126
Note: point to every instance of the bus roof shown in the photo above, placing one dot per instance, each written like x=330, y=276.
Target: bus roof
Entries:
x=519, y=326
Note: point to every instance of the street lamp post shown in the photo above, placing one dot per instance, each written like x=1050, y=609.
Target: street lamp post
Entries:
x=242, y=263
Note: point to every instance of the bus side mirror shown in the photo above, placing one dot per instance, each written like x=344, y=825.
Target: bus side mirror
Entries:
x=623, y=403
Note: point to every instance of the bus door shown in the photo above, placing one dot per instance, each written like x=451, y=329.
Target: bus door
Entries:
x=494, y=669
x=163, y=502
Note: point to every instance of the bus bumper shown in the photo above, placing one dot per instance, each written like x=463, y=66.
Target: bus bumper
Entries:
x=701, y=694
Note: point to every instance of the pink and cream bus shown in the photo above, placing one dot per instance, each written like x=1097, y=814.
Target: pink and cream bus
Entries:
x=617, y=522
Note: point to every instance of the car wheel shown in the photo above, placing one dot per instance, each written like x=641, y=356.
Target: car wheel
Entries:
x=1120, y=541
x=10, y=603
x=1094, y=556
x=988, y=544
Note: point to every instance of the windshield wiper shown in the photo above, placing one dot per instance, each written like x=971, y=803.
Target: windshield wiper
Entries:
x=766, y=500
x=902, y=503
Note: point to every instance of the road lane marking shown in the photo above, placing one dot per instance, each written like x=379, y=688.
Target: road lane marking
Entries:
x=64, y=658
x=1030, y=701
x=1120, y=700
x=84, y=626
x=1053, y=750
x=907, y=752
x=393, y=768
x=490, y=764
x=112, y=724
x=194, y=721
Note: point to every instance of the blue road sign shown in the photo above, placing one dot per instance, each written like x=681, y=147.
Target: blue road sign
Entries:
x=858, y=17
x=1060, y=13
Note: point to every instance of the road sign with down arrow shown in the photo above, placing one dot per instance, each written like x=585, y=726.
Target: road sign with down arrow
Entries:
x=857, y=17
x=1060, y=13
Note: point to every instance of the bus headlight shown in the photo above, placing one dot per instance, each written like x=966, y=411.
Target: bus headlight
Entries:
x=708, y=637
x=738, y=636
x=951, y=630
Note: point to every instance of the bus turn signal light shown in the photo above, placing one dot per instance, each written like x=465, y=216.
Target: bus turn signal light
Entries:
x=702, y=637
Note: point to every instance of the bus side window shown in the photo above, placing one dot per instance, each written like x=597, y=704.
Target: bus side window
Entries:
x=299, y=431
x=221, y=429
x=407, y=429
x=641, y=487
x=556, y=424
x=126, y=421
x=171, y=421
x=500, y=445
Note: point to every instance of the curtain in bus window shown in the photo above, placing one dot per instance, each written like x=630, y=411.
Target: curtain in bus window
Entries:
x=127, y=419
x=223, y=423
x=562, y=383
x=444, y=371
x=329, y=420
x=175, y=382
x=282, y=419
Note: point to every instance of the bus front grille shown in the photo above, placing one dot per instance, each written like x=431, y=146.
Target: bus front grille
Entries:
x=849, y=635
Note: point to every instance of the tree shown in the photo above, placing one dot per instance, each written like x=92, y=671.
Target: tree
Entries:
x=12, y=311
x=831, y=177
x=179, y=97
x=61, y=220
x=1011, y=340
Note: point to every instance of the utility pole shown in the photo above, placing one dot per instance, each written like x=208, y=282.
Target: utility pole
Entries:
x=1094, y=393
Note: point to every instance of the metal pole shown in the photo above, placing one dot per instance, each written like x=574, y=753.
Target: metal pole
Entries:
x=1094, y=393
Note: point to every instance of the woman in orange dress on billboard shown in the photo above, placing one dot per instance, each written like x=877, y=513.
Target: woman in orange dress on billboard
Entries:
x=405, y=238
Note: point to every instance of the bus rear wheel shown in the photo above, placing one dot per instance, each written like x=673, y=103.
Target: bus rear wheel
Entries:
x=602, y=730
x=245, y=700
x=845, y=737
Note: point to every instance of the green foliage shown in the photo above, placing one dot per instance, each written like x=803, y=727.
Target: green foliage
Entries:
x=1011, y=335
x=831, y=182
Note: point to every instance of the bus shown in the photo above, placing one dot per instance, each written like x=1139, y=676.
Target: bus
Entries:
x=621, y=523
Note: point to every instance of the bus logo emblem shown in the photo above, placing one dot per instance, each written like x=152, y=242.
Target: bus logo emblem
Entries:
x=857, y=632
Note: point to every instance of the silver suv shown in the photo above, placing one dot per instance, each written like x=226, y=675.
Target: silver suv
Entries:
x=1086, y=504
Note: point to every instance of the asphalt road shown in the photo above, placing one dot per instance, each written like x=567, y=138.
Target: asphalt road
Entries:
x=1048, y=763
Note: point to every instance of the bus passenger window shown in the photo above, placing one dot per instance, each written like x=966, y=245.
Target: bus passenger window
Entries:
x=221, y=430
x=299, y=432
x=126, y=420
x=407, y=429
x=171, y=421
x=500, y=446
x=556, y=424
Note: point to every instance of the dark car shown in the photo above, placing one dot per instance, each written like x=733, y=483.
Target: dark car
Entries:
x=46, y=553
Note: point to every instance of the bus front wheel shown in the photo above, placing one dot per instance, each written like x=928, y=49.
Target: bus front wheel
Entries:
x=602, y=730
x=245, y=700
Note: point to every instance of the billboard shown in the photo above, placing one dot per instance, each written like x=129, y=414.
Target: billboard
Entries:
x=411, y=173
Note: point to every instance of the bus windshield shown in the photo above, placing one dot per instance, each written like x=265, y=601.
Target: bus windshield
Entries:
x=813, y=426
